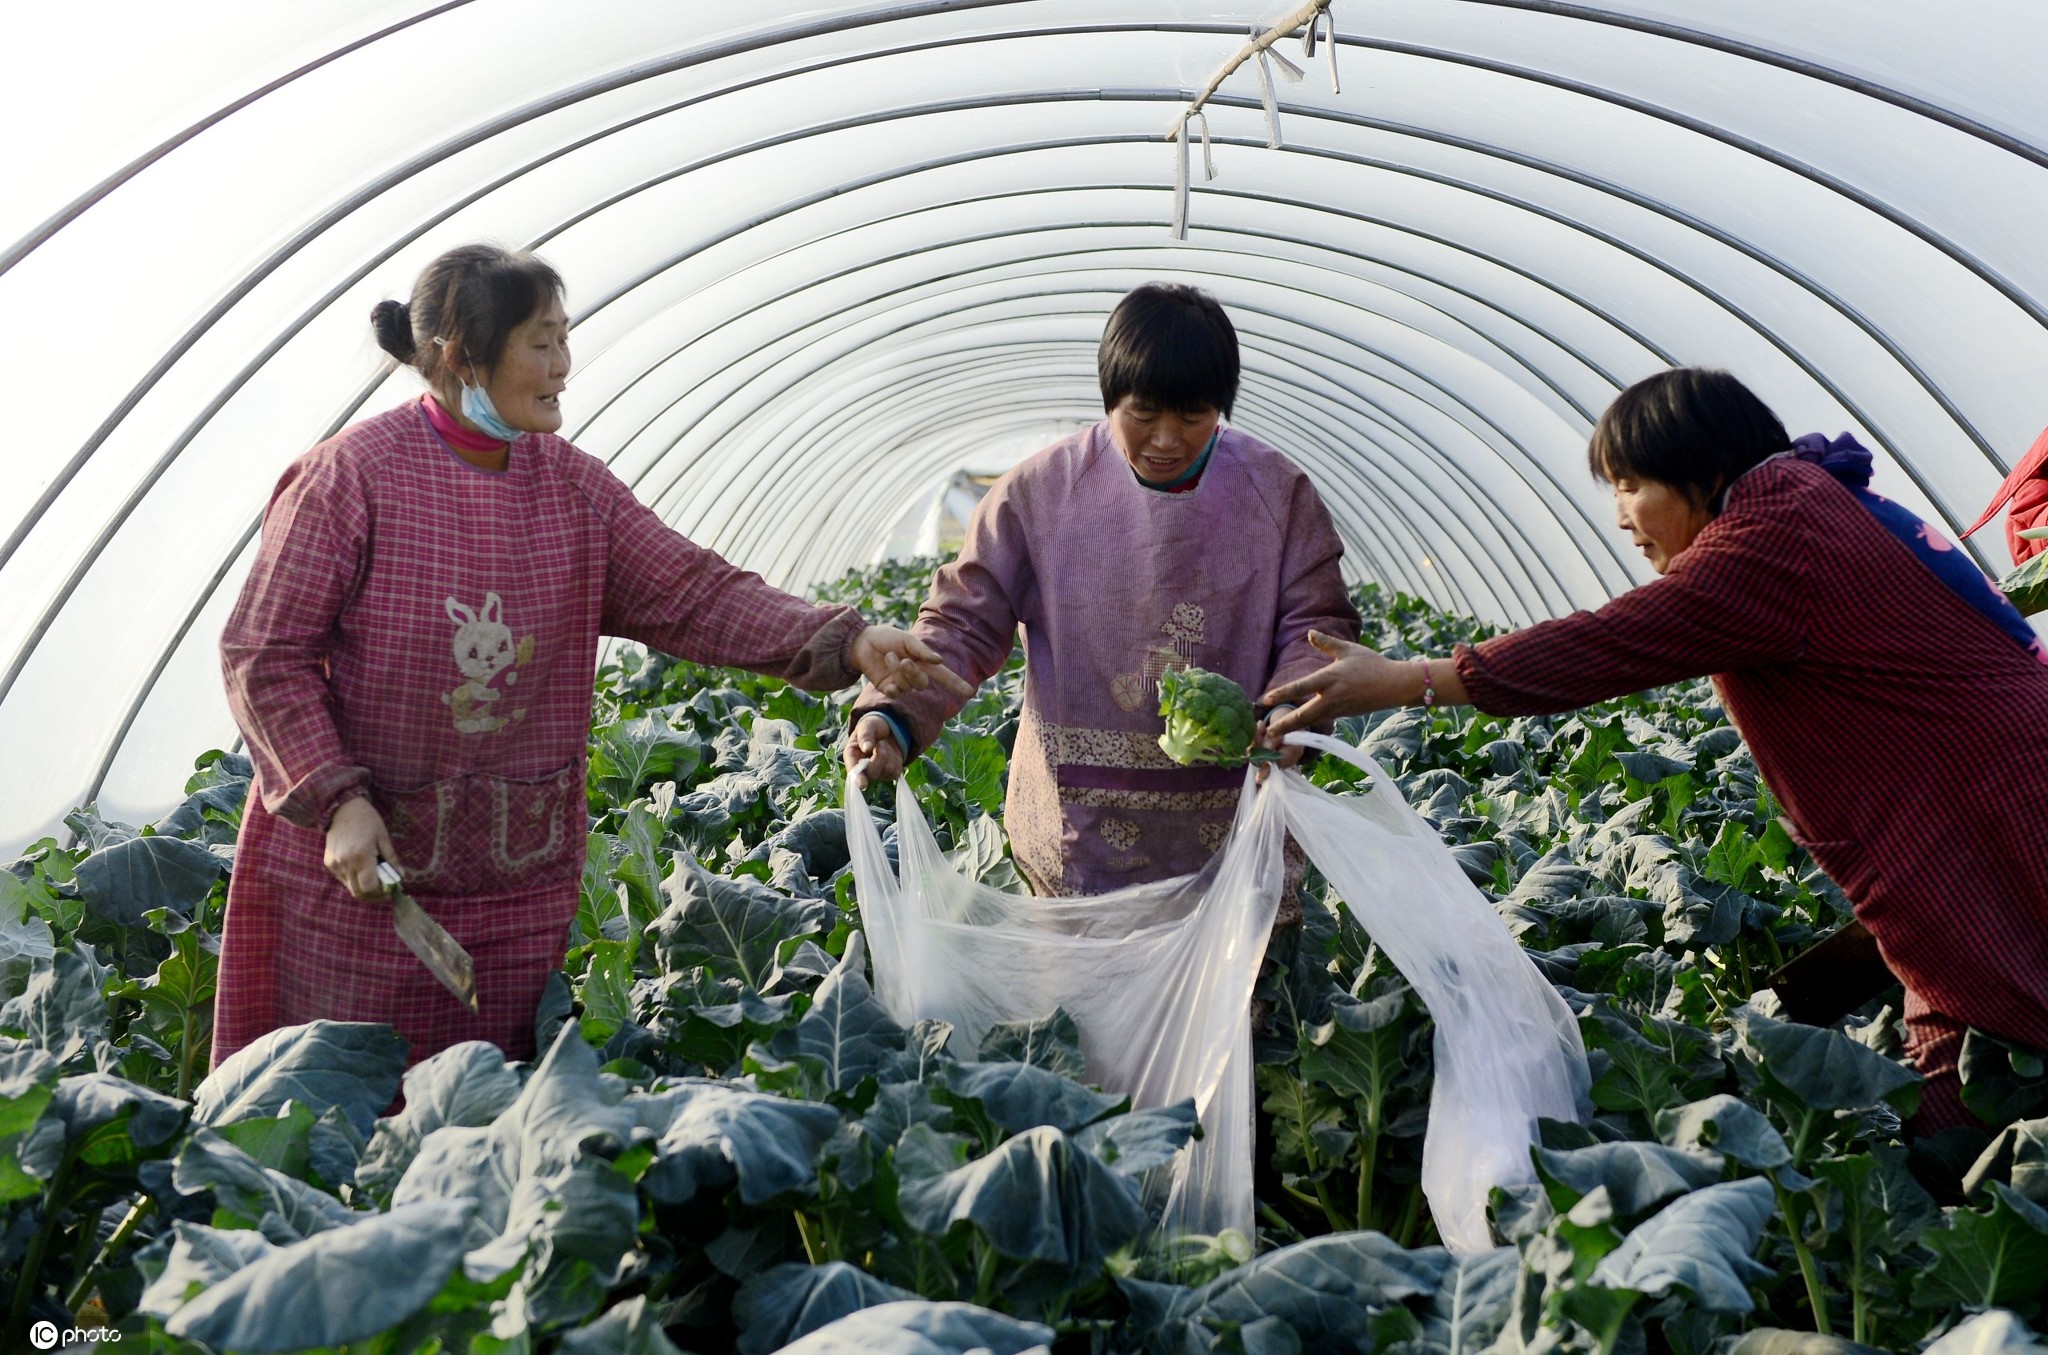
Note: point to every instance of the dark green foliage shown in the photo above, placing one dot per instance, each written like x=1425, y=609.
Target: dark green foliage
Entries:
x=346, y=1284
x=731, y=1145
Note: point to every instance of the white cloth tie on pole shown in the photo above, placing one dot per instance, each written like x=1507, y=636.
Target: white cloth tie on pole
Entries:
x=1266, y=98
x=1180, y=171
x=1289, y=72
x=1327, y=17
x=1158, y=979
x=1180, y=183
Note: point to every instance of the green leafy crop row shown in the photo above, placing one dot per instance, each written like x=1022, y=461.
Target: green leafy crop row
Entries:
x=728, y=1145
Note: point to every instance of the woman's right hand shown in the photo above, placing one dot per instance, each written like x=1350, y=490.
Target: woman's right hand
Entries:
x=1356, y=680
x=897, y=663
x=873, y=742
x=356, y=841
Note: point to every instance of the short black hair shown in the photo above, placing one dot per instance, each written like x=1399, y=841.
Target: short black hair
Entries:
x=471, y=299
x=1693, y=428
x=1172, y=347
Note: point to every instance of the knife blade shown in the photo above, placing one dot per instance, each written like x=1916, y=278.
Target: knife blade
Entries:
x=441, y=953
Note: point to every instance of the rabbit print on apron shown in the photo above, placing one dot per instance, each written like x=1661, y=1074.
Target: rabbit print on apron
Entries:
x=479, y=832
x=489, y=662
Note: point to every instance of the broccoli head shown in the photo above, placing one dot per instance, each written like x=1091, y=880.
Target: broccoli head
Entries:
x=1209, y=719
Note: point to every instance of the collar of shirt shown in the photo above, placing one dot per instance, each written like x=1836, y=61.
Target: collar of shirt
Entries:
x=466, y=443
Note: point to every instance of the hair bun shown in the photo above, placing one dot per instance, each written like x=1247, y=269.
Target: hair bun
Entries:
x=392, y=323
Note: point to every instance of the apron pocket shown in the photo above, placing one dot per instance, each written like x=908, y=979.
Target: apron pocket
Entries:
x=483, y=834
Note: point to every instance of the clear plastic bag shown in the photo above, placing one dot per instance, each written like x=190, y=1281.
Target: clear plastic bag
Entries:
x=1507, y=1048
x=1159, y=980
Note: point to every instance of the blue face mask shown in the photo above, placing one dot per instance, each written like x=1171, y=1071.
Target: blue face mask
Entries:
x=478, y=409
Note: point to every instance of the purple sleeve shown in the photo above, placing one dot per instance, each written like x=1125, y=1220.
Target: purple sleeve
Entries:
x=673, y=595
x=275, y=646
x=1312, y=593
x=970, y=617
x=1739, y=597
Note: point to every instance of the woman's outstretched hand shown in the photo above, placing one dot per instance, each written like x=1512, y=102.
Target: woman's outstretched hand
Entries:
x=1355, y=681
x=897, y=662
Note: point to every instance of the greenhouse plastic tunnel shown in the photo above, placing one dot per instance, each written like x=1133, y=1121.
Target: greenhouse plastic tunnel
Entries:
x=822, y=257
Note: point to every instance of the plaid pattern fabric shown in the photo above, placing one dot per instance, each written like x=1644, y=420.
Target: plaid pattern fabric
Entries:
x=425, y=632
x=299, y=948
x=1905, y=734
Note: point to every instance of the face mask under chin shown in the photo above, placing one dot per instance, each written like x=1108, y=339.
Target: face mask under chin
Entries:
x=478, y=409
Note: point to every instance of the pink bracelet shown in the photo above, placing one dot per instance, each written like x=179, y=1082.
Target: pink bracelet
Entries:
x=1428, y=690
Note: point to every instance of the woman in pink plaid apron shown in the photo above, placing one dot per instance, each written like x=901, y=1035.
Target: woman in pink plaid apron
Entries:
x=411, y=659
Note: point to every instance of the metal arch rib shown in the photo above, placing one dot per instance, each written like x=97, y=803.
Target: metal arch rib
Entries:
x=1566, y=294
x=1793, y=275
x=367, y=389
x=1928, y=236
x=27, y=650
x=84, y=202
x=112, y=751
x=475, y=136
x=1448, y=405
x=1766, y=56
x=1491, y=341
x=1536, y=462
x=1540, y=466
x=1871, y=89
x=715, y=52
x=1567, y=7
x=559, y=100
x=1796, y=276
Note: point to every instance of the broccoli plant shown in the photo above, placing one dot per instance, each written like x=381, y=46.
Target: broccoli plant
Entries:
x=1209, y=719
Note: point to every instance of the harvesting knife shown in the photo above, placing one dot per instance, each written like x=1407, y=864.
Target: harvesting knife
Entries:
x=441, y=953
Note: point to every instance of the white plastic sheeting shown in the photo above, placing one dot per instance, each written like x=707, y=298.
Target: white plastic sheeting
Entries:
x=820, y=254
x=1158, y=980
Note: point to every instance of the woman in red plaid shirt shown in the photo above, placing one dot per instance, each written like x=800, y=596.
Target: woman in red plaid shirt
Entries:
x=1895, y=702
x=411, y=660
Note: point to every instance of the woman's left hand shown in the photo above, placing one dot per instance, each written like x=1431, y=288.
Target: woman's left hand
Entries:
x=1290, y=753
x=897, y=662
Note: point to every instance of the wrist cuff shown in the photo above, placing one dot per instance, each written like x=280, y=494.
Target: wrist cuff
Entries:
x=897, y=728
x=312, y=802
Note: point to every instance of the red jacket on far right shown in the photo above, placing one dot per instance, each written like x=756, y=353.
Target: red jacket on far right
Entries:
x=2026, y=491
